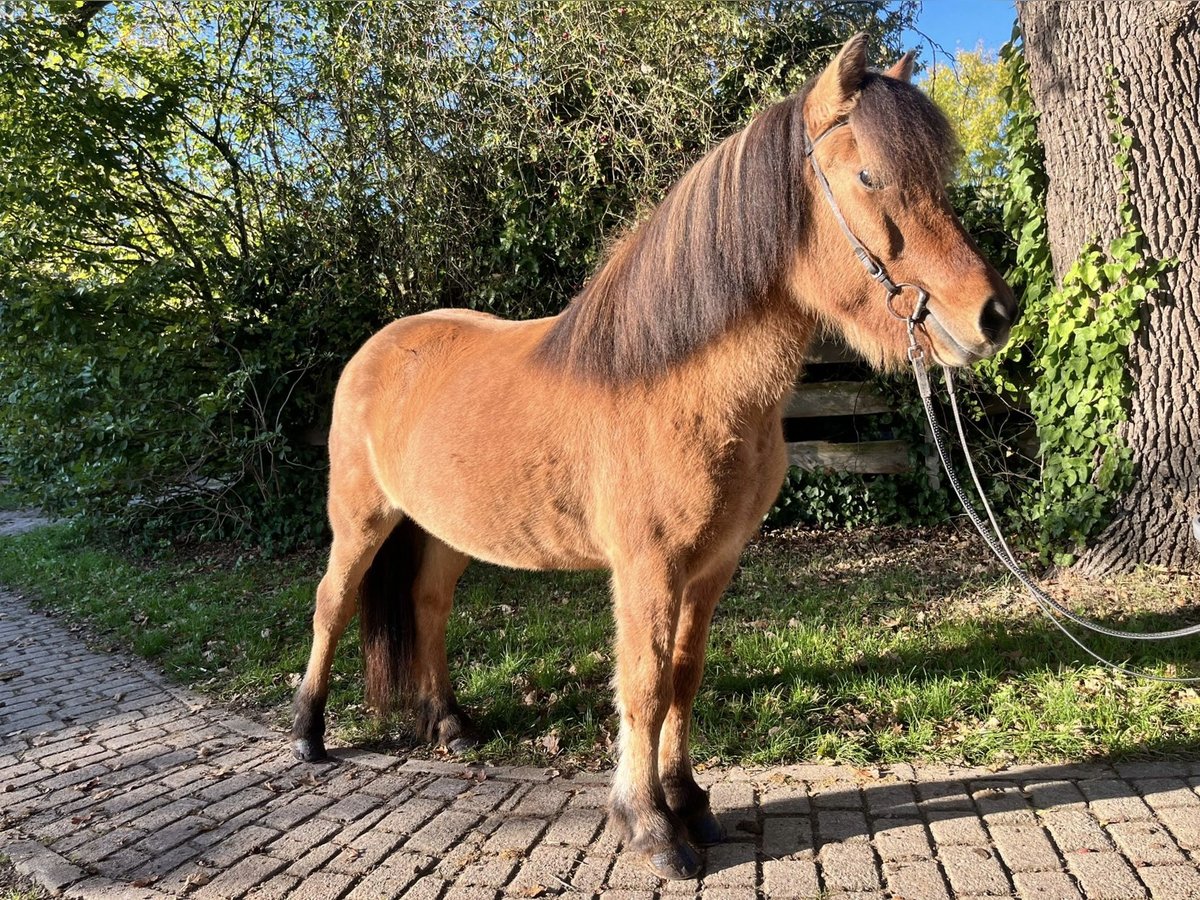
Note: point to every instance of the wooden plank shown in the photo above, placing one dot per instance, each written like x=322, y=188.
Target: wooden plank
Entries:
x=833, y=398
x=863, y=458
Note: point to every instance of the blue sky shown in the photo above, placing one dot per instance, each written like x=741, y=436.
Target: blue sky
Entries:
x=950, y=24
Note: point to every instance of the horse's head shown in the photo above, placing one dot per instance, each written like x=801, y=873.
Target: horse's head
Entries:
x=886, y=152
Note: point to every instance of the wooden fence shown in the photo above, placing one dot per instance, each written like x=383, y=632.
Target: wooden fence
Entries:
x=835, y=399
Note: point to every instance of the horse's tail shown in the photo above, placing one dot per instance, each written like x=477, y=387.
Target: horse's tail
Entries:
x=385, y=616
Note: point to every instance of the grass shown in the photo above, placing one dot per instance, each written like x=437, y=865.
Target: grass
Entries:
x=14, y=886
x=879, y=645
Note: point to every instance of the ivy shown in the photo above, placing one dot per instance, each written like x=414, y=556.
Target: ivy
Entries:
x=1070, y=350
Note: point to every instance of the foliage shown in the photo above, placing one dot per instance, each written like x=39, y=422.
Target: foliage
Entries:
x=208, y=206
x=881, y=644
x=1069, y=351
x=970, y=92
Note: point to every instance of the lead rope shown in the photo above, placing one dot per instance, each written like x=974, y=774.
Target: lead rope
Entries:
x=994, y=538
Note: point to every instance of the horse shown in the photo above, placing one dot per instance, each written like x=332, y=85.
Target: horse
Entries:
x=639, y=431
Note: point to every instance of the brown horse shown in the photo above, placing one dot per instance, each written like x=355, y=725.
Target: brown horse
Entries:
x=639, y=431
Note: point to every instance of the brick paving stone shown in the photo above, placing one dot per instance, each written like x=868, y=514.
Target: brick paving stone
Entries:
x=848, y=825
x=1172, y=882
x=1165, y=793
x=408, y=818
x=359, y=854
x=836, y=795
x=446, y=788
x=1046, y=886
x=244, y=876
x=732, y=802
x=1104, y=876
x=1074, y=830
x=1002, y=802
x=228, y=849
x=902, y=839
x=897, y=801
x=785, y=800
x=542, y=801
x=547, y=867
x=388, y=880
x=849, y=867
x=274, y=888
x=592, y=872
x=462, y=891
x=159, y=786
x=1145, y=843
x=1046, y=795
x=1112, y=800
x=628, y=873
x=974, y=870
x=575, y=826
x=790, y=878
x=322, y=886
x=950, y=828
x=915, y=880
x=1025, y=848
x=1184, y=824
x=730, y=865
x=483, y=798
x=425, y=889
x=944, y=795
x=787, y=837
x=514, y=836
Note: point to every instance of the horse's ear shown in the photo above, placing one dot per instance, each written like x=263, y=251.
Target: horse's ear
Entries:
x=902, y=69
x=834, y=94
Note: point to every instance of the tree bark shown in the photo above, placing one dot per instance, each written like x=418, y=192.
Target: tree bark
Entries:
x=1154, y=48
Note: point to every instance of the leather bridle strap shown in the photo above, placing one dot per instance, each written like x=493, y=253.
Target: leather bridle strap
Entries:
x=873, y=266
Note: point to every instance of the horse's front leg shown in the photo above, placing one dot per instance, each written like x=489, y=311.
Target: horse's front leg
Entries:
x=686, y=798
x=647, y=608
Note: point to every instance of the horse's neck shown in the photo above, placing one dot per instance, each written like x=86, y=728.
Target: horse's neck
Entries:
x=749, y=368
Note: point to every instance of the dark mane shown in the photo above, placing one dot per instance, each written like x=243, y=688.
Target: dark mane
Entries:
x=717, y=246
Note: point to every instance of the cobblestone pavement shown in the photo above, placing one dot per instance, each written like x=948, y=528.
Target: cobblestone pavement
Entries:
x=115, y=784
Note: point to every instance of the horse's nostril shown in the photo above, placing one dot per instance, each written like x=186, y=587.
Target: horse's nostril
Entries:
x=998, y=316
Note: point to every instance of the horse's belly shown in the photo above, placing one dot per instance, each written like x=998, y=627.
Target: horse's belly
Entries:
x=508, y=499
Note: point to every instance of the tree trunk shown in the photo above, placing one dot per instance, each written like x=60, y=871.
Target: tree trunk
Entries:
x=1154, y=48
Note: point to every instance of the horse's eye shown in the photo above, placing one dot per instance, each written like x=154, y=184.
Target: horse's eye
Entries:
x=865, y=178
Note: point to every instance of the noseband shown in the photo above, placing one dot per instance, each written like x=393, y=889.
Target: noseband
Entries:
x=993, y=537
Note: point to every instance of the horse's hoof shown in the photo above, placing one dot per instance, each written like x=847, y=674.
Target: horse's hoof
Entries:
x=308, y=749
x=704, y=829
x=675, y=863
x=462, y=744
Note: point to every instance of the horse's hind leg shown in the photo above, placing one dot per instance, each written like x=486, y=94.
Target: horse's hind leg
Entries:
x=440, y=721
x=686, y=798
x=356, y=540
x=646, y=606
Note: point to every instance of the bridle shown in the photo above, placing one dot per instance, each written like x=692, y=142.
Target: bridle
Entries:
x=993, y=536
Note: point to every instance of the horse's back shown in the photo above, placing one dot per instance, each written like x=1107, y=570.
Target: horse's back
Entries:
x=469, y=434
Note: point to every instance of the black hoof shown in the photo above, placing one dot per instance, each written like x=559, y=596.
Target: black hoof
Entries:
x=676, y=863
x=704, y=829
x=462, y=744
x=309, y=749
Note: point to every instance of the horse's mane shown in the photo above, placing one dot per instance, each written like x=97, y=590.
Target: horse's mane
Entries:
x=718, y=244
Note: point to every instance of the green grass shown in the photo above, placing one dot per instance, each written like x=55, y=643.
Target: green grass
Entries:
x=882, y=645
